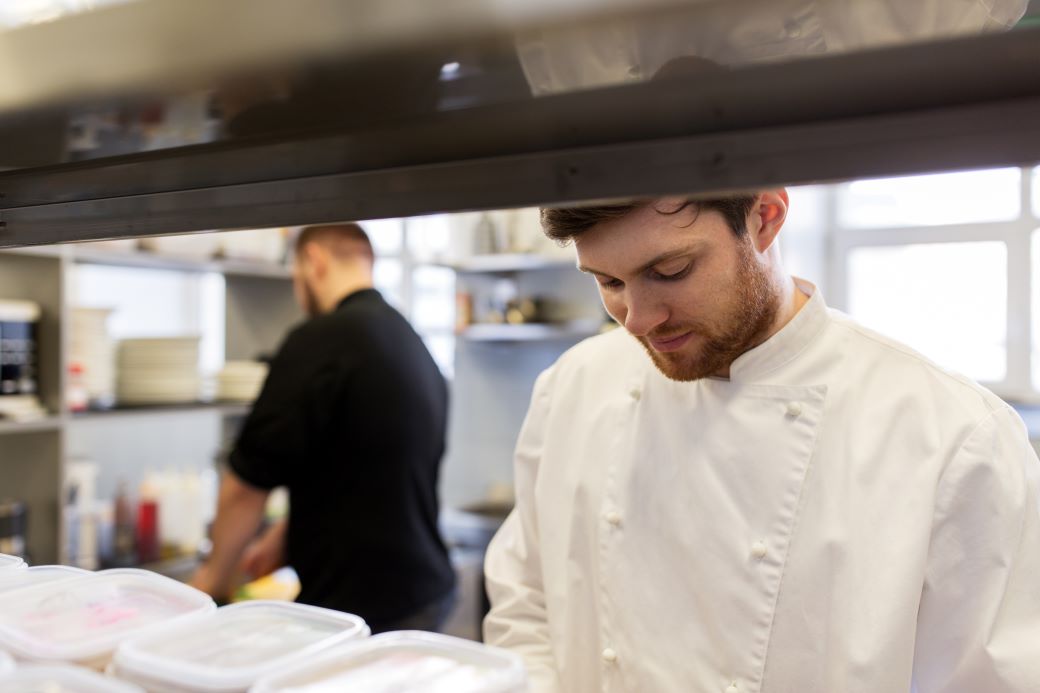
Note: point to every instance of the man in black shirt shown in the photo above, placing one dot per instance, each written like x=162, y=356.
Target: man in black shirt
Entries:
x=352, y=420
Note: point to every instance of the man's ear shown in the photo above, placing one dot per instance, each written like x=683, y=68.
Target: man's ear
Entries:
x=768, y=217
x=317, y=258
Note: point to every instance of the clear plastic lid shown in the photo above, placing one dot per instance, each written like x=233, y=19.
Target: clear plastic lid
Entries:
x=231, y=648
x=62, y=679
x=84, y=619
x=10, y=561
x=405, y=662
x=37, y=575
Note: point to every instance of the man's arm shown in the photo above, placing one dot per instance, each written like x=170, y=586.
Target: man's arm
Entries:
x=978, y=625
x=240, y=510
x=268, y=552
x=513, y=568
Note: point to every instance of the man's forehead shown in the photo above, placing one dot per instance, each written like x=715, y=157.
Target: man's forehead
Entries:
x=642, y=238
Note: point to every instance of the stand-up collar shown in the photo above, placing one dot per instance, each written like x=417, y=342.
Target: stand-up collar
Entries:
x=786, y=344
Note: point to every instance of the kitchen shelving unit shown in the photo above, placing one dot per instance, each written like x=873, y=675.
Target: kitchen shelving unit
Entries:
x=260, y=308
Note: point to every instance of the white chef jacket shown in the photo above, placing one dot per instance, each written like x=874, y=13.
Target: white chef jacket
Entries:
x=840, y=516
x=738, y=32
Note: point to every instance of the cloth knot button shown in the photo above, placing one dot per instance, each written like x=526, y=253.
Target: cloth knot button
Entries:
x=609, y=656
x=758, y=550
x=794, y=409
x=635, y=394
x=614, y=517
x=732, y=688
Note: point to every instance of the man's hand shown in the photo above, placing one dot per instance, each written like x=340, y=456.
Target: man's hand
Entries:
x=240, y=510
x=267, y=553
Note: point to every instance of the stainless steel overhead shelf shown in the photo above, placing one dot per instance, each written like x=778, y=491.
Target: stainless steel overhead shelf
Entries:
x=947, y=105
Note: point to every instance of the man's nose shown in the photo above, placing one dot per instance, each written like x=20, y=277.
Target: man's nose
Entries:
x=643, y=313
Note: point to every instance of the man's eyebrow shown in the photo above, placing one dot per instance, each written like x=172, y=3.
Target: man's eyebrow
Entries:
x=663, y=257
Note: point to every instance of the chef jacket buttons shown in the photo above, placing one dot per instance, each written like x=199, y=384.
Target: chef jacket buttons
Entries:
x=794, y=409
x=613, y=517
x=732, y=688
x=635, y=393
x=609, y=656
x=758, y=550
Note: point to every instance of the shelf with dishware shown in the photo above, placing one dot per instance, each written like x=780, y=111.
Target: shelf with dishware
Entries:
x=232, y=409
x=45, y=424
x=531, y=332
x=152, y=410
x=505, y=263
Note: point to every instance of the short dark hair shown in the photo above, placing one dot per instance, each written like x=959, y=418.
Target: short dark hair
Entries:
x=341, y=239
x=564, y=224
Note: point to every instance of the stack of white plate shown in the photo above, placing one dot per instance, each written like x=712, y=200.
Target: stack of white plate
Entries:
x=159, y=370
x=241, y=381
x=92, y=347
x=22, y=408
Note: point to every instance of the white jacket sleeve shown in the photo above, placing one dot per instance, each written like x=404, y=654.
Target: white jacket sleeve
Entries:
x=513, y=568
x=978, y=626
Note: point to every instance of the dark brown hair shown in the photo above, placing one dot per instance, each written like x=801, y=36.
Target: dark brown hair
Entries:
x=564, y=224
x=341, y=239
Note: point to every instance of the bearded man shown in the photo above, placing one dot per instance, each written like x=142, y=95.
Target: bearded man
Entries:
x=352, y=420
x=745, y=491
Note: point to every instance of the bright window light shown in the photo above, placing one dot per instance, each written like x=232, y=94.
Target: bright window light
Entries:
x=433, y=299
x=387, y=235
x=388, y=276
x=1035, y=288
x=964, y=197
x=1036, y=191
x=946, y=300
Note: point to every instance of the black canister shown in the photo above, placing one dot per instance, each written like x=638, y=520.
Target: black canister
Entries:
x=18, y=347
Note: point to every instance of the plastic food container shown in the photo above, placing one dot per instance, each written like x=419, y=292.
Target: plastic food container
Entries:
x=82, y=621
x=62, y=679
x=405, y=662
x=10, y=562
x=38, y=575
x=229, y=649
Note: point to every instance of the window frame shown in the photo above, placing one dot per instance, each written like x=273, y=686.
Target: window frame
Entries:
x=1017, y=236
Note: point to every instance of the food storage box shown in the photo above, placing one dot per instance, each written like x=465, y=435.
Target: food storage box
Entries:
x=62, y=679
x=38, y=575
x=10, y=562
x=405, y=662
x=82, y=621
x=229, y=649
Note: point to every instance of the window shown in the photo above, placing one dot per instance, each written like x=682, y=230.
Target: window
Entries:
x=947, y=263
x=947, y=300
x=966, y=197
x=1035, y=296
x=1036, y=191
x=424, y=294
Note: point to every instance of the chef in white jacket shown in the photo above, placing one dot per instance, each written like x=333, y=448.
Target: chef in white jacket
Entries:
x=745, y=491
x=741, y=32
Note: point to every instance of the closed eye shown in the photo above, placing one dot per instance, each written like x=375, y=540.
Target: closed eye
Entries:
x=671, y=276
x=609, y=282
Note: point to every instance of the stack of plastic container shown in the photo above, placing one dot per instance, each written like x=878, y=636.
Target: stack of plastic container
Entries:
x=61, y=679
x=405, y=662
x=11, y=562
x=37, y=575
x=81, y=620
x=230, y=649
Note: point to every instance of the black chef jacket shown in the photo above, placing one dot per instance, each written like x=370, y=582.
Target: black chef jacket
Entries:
x=352, y=420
